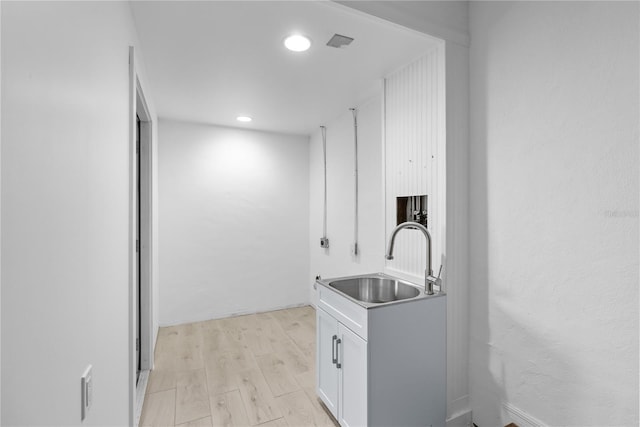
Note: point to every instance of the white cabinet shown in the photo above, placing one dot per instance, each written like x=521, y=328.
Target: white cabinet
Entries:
x=382, y=366
x=341, y=371
x=352, y=389
x=326, y=370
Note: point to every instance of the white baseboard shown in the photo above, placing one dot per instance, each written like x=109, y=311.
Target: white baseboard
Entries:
x=511, y=414
x=460, y=420
x=458, y=406
x=460, y=412
x=231, y=314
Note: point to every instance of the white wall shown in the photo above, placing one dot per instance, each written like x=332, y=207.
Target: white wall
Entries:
x=426, y=153
x=445, y=19
x=338, y=260
x=457, y=243
x=234, y=218
x=554, y=212
x=415, y=160
x=65, y=186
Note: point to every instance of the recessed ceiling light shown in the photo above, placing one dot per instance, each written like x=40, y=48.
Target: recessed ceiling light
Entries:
x=243, y=118
x=297, y=43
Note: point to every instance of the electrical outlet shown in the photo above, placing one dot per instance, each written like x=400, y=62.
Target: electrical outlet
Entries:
x=86, y=390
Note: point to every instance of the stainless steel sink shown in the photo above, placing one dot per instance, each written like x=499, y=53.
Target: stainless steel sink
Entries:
x=375, y=289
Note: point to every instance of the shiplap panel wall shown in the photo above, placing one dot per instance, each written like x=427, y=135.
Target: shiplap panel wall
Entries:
x=415, y=153
x=425, y=120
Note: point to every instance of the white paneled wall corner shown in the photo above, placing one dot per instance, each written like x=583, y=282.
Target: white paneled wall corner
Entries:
x=415, y=159
x=426, y=152
x=457, y=232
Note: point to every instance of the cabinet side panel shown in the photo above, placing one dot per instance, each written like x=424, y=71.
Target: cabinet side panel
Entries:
x=407, y=356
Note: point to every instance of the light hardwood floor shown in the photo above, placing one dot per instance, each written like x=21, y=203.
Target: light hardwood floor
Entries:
x=249, y=370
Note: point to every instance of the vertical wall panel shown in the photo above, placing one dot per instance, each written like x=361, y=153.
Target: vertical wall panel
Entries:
x=456, y=270
x=415, y=159
x=425, y=120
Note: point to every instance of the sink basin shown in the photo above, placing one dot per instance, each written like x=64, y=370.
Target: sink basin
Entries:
x=375, y=289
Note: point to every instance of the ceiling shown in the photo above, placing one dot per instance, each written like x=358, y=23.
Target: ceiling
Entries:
x=210, y=61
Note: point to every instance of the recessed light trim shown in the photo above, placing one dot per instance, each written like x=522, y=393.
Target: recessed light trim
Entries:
x=244, y=119
x=297, y=43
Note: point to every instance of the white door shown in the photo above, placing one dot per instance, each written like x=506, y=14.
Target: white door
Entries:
x=326, y=355
x=352, y=360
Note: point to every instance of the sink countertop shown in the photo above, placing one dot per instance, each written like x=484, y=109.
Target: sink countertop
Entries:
x=368, y=305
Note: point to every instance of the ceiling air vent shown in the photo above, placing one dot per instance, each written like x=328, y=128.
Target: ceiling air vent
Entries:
x=338, y=41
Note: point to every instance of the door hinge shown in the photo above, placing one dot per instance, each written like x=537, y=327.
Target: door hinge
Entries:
x=137, y=344
x=137, y=245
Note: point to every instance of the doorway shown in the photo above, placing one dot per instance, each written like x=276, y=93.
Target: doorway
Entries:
x=140, y=245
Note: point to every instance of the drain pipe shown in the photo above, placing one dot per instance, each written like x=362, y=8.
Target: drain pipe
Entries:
x=324, y=241
x=355, y=142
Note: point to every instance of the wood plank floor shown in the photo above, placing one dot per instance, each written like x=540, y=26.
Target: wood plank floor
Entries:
x=249, y=370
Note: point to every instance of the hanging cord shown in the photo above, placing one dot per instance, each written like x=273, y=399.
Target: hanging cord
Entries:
x=324, y=242
x=355, y=142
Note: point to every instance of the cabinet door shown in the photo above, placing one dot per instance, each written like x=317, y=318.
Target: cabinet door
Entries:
x=326, y=353
x=353, y=378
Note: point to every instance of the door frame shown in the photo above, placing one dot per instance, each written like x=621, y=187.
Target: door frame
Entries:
x=138, y=107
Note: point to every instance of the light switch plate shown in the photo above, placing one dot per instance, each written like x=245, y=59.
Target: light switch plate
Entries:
x=86, y=390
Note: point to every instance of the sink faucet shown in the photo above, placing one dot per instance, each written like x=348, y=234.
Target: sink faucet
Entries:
x=429, y=280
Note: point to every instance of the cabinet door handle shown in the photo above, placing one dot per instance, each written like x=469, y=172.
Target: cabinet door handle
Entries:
x=334, y=357
x=338, y=364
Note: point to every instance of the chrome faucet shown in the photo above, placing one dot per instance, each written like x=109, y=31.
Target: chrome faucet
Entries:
x=429, y=280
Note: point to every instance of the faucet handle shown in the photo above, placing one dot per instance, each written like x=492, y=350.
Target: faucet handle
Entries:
x=435, y=280
x=438, y=279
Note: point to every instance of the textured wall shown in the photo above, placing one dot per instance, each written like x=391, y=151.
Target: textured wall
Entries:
x=554, y=212
x=234, y=218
